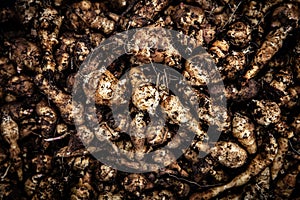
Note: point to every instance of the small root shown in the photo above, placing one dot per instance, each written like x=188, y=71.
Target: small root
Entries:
x=6, y=172
x=57, y=138
x=292, y=147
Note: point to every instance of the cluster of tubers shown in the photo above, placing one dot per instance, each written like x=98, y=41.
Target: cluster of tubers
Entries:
x=256, y=49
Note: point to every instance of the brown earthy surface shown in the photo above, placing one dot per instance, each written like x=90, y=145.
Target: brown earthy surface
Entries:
x=256, y=47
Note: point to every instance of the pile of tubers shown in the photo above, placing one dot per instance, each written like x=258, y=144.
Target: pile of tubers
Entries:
x=255, y=47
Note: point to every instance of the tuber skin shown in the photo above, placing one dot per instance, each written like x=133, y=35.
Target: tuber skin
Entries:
x=239, y=34
x=229, y=154
x=260, y=188
x=271, y=45
x=276, y=166
x=32, y=183
x=48, y=27
x=83, y=190
x=136, y=183
x=47, y=118
x=62, y=100
x=259, y=163
x=286, y=20
x=144, y=13
x=266, y=112
x=84, y=14
x=48, y=188
x=10, y=133
x=192, y=21
x=25, y=54
x=287, y=183
x=244, y=130
x=21, y=85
